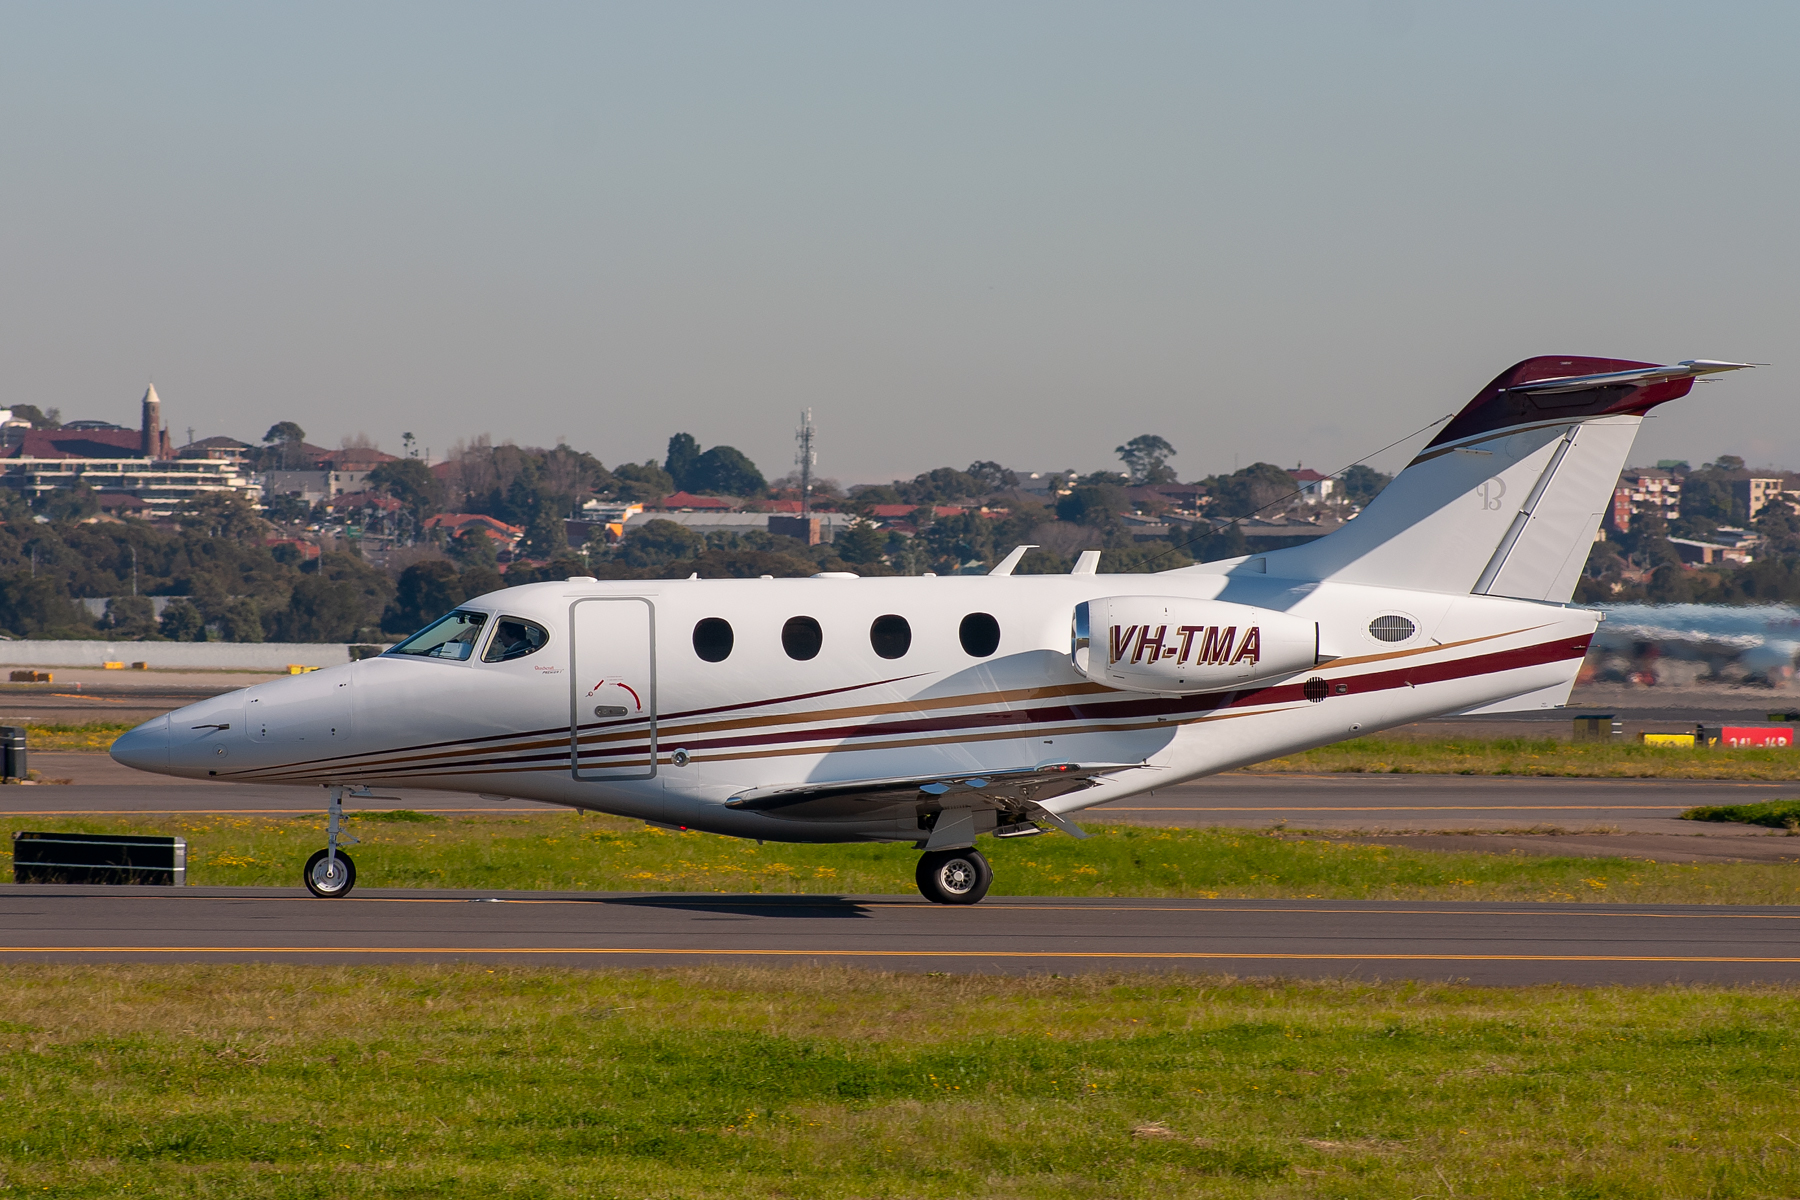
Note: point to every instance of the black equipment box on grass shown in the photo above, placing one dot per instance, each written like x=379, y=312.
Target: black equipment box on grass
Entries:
x=98, y=858
x=13, y=763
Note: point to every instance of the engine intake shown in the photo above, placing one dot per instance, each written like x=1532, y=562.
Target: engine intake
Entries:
x=1168, y=644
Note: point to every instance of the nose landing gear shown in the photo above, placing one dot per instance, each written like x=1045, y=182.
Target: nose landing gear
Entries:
x=329, y=873
x=953, y=876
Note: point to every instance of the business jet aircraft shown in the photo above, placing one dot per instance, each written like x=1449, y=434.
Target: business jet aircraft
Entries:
x=936, y=710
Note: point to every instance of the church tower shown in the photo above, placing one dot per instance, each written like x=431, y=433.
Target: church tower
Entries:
x=154, y=442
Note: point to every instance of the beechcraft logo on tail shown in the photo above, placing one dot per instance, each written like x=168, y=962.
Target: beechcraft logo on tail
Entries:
x=1213, y=643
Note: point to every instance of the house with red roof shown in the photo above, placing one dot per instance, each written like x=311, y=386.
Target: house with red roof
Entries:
x=455, y=524
x=688, y=502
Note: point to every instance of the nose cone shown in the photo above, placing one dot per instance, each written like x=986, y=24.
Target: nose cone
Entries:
x=146, y=748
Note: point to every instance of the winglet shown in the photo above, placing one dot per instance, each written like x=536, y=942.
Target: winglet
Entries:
x=1005, y=566
x=1087, y=564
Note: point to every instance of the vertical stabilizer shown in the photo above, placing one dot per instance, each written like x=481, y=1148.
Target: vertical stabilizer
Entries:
x=1504, y=501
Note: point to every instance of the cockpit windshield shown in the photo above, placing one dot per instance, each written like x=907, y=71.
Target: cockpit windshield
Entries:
x=452, y=637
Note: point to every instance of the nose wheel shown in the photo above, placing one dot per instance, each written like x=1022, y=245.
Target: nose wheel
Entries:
x=953, y=876
x=329, y=873
x=329, y=876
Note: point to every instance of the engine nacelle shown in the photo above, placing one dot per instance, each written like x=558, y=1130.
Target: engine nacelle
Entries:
x=1168, y=644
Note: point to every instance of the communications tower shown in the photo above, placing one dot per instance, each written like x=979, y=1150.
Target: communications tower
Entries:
x=806, y=460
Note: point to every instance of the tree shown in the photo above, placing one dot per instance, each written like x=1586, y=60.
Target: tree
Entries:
x=1146, y=459
x=130, y=617
x=944, y=485
x=424, y=592
x=1361, y=484
x=1251, y=490
x=222, y=515
x=286, y=438
x=1143, y=558
x=1779, y=525
x=473, y=548
x=1097, y=505
x=320, y=609
x=642, y=481
x=992, y=476
x=411, y=482
x=860, y=545
x=684, y=452
x=38, y=417
x=240, y=620
x=655, y=543
x=39, y=605
x=1648, y=541
x=725, y=471
x=181, y=622
x=545, y=534
x=70, y=504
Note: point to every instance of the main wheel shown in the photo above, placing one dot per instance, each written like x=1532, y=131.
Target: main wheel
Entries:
x=330, y=878
x=953, y=876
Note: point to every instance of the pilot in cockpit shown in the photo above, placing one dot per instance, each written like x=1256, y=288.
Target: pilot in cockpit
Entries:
x=514, y=639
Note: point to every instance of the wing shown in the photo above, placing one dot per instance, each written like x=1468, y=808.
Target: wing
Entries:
x=1018, y=793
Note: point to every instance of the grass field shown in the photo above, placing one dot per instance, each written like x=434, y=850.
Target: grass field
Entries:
x=552, y=850
x=1539, y=756
x=94, y=735
x=284, y=1081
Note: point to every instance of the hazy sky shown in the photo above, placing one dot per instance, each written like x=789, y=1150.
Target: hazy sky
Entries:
x=1019, y=232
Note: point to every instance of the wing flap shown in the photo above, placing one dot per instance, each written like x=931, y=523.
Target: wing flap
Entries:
x=1010, y=791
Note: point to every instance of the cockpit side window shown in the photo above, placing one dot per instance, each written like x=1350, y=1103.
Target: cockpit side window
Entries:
x=514, y=637
x=452, y=637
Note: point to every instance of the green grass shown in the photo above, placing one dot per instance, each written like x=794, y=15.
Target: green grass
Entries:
x=552, y=850
x=1539, y=756
x=91, y=735
x=277, y=1081
x=1776, y=814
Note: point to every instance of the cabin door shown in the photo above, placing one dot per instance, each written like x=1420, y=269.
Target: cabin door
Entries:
x=612, y=688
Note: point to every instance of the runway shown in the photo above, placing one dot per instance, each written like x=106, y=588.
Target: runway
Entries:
x=1592, y=817
x=1483, y=943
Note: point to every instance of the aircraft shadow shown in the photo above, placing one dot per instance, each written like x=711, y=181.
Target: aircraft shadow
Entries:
x=753, y=905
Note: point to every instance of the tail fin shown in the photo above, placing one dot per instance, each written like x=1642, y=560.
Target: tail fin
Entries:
x=1504, y=501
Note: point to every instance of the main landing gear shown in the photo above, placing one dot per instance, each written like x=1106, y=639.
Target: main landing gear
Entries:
x=329, y=872
x=953, y=876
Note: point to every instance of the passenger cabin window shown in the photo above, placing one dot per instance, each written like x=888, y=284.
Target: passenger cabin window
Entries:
x=450, y=637
x=801, y=637
x=713, y=639
x=891, y=636
x=980, y=635
x=514, y=637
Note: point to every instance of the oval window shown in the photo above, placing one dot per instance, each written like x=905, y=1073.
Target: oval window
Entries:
x=801, y=637
x=891, y=636
x=713, y=639
x=980, y=635
x=1391, y=628
x=514, y=637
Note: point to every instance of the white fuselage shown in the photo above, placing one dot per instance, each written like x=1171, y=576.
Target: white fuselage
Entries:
x=678, y=736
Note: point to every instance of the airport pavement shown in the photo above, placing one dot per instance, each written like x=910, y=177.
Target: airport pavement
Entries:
x=1588, y=817
x=1484, y=943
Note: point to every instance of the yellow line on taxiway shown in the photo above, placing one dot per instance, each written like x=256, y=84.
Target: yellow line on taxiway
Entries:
x=1161, y=955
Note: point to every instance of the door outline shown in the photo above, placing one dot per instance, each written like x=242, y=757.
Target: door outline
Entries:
x=575, y=697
